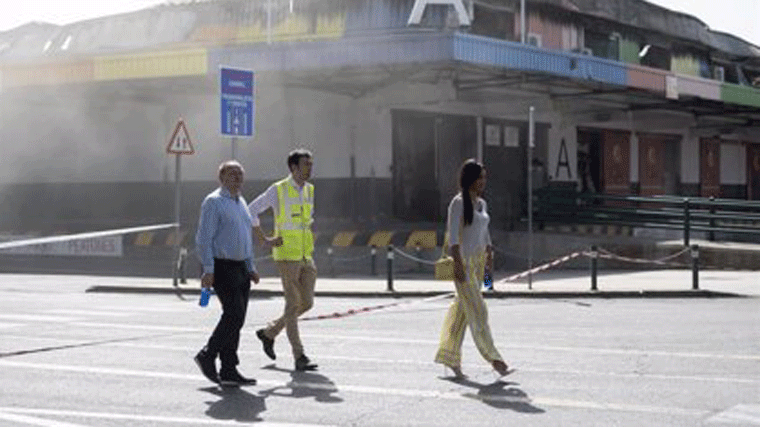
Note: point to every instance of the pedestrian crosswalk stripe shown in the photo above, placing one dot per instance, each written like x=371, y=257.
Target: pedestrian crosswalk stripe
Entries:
x=387, y=391
x=7, y=413
x=739, y=414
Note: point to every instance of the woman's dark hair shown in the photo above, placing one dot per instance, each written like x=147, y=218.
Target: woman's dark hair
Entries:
x=468, y=174
x=295, y=156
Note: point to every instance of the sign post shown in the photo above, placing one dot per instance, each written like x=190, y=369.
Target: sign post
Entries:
x=179, y=144
x=236, y=92
x=531, y=145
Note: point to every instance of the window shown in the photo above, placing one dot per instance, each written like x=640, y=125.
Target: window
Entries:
x=533, y=39
x=491, y=22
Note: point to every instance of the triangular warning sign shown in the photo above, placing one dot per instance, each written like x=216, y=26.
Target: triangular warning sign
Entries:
x=180, y=143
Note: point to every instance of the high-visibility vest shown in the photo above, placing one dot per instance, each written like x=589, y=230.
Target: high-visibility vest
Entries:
x=293, y=221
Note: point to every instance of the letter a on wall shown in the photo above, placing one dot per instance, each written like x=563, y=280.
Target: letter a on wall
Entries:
x=563, y=161
x=419, y=8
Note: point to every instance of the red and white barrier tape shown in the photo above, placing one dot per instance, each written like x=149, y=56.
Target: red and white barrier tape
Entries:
x=641, y=261
x=353, y=312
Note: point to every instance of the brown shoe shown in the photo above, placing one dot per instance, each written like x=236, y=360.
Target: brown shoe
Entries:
x=500, y=367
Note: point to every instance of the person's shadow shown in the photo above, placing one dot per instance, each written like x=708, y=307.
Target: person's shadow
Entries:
x=304, y=384
x=499, y=394
x=235, y=404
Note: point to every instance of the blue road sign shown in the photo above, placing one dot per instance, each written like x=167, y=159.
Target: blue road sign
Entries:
x=237, y=101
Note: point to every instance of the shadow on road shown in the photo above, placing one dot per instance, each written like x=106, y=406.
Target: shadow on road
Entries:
x=499, y=394
x=235, y=404
x=304, y=384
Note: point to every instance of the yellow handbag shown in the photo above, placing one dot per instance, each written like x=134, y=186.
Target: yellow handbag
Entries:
x=444, y=267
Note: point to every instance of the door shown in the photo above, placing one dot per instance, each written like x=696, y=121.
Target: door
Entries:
x=753, y=171
x=415, y=188
x=709, y=167
x=616, y=162
x=428, y=149
x=652, y=164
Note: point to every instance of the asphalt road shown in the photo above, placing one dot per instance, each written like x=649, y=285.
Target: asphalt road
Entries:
x=71, y=358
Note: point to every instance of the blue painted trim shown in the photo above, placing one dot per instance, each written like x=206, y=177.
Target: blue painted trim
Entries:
x=516, y=56
x=419, y=47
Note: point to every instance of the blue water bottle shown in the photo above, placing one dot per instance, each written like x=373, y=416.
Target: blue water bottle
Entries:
x=487, y=281
x=205, y=295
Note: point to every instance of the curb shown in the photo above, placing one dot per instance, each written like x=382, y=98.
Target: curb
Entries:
x=425, y=294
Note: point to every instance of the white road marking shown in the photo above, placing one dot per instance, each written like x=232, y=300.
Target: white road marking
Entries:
x=6, y=325
x=415, y=393
x=22, y=419
x=142, y=418
x=38, y=318
x=141, y=327
x=626, y=352
x=90, y=313
x=374, y=360
x=739, y=414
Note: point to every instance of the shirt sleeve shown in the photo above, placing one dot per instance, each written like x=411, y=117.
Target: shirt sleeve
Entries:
x=264, y=201
x=455, y=221
x=204, y=237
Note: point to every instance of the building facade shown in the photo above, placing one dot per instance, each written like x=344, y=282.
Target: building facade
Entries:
x=629, y=98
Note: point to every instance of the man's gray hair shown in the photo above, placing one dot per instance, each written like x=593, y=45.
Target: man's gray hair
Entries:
x=228, y=164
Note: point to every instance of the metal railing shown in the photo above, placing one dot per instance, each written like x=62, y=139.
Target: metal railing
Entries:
x=688, y=214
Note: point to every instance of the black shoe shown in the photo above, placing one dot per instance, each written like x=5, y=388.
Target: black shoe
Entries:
x=233, y=378
x=207, y=366
x=304, y=364
x=267, y=343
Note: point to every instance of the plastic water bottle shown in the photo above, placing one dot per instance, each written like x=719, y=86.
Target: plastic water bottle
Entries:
x=487, y=281
x=205, y=296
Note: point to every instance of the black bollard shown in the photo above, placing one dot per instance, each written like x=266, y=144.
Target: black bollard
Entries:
x=330, y=261
x=373, y=260
x=390, y=268
x=695, y=267
x=183, y=266
x=711, y=235
x=594, y=260
x=686, y=221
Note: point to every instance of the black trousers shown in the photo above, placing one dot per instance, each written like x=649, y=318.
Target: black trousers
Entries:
x=232, y=285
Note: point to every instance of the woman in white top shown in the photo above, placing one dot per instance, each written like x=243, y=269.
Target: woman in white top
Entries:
x=471, y=249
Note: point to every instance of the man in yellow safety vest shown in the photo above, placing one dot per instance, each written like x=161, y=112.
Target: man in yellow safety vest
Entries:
x=292, y=201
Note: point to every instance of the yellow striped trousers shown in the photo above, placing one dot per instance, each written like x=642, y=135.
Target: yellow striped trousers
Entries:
x=467, y=309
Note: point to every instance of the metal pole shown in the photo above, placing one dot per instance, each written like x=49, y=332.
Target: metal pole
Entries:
x=177, y=178
x=594, y=266
x=390, y=268
x=269, y=22
x=531, y=143
x=522, y=22
x=234, y=148
x=695, y=267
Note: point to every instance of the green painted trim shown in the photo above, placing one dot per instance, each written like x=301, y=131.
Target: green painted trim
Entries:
x=629, y=51
x=741, y=95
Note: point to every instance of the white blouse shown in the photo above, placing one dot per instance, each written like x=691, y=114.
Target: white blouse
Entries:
x=472, y=239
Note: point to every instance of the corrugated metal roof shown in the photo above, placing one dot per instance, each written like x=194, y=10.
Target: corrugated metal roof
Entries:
x=648, y=16
x=215, y=22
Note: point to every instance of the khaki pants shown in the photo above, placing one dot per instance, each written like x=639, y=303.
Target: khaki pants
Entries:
x=467, y=309
x=298, y=279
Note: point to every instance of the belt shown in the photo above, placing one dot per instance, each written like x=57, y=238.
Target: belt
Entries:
x=228, y=261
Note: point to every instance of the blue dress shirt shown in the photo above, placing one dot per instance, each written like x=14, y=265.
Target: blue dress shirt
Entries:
x=224, y=230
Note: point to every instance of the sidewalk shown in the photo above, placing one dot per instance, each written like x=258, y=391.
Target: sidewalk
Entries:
x=552, y=284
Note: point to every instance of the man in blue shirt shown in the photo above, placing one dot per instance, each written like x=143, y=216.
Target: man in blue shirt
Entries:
x=225, y=248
